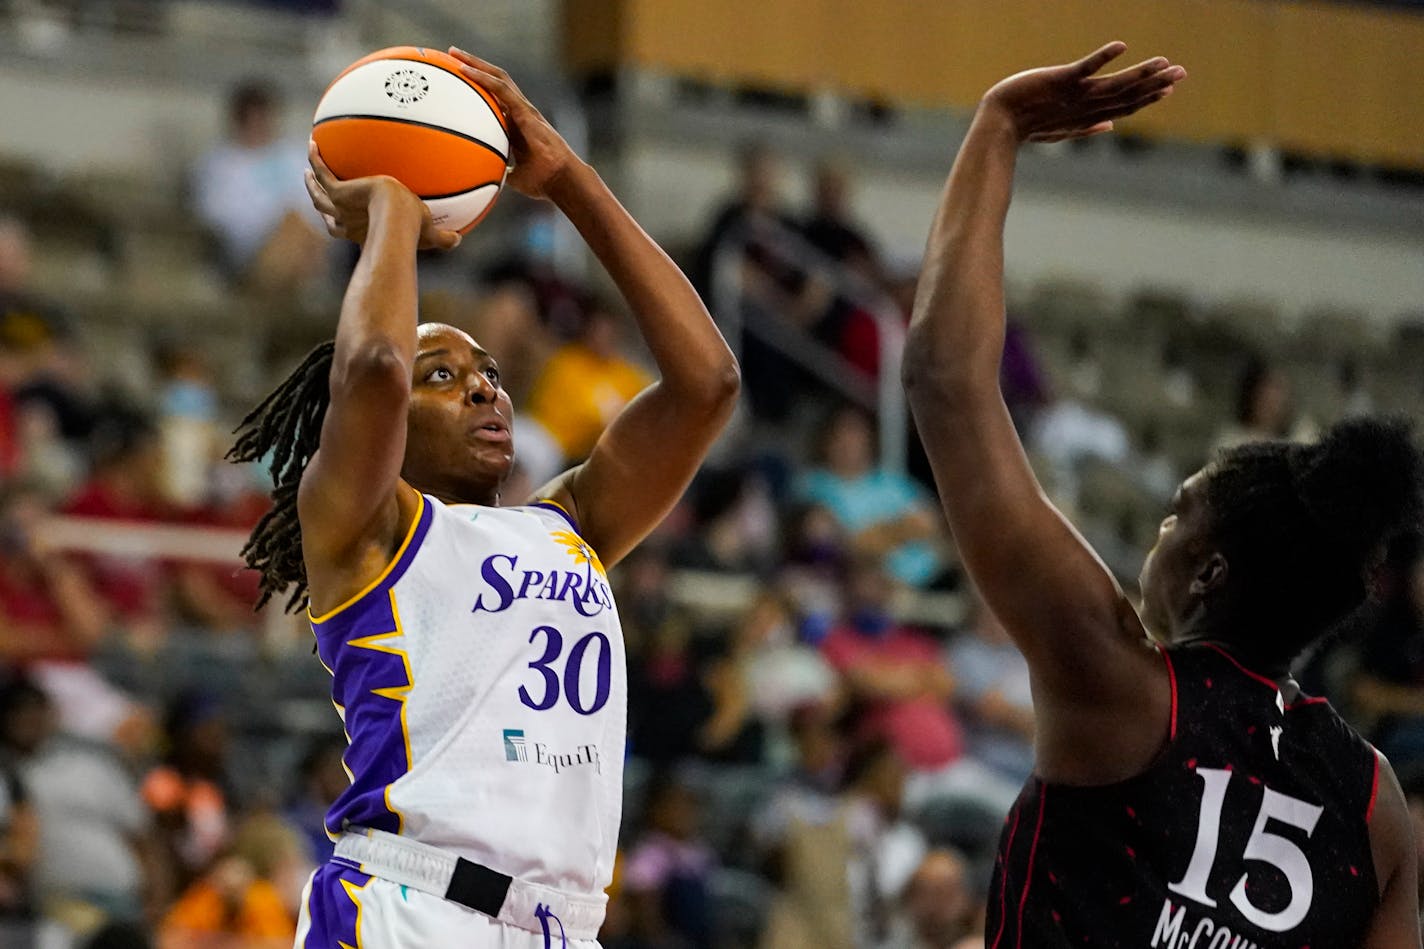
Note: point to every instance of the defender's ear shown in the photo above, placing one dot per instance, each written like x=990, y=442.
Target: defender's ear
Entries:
x=1210, y=576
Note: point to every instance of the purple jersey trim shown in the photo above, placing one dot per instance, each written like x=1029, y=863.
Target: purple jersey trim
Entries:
x=560, y=510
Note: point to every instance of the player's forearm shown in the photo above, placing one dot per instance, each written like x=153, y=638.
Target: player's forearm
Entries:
x=956, y=336
x=378, y=314
x=692, y=357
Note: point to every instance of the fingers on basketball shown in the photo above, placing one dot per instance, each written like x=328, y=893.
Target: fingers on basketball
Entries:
x=504, y=91
x=320, y=199
x=319, y=168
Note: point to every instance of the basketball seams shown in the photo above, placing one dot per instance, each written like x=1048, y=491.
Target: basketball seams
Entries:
x=457, y=205
x=411, y=54
x=444, y=101
x=372, y=117
x=428, y=161
x=484, y=94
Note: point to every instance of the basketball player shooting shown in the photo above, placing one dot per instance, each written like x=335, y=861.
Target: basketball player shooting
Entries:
x=1185, y=792
x=476, y=656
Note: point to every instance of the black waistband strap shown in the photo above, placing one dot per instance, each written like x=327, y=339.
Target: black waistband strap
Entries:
x=478, y=887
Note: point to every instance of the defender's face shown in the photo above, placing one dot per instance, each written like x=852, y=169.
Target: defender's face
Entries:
x=1182, y=547
x=460, y=437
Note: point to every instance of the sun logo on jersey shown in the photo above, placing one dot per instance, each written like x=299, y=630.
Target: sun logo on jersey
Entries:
x=582, y=553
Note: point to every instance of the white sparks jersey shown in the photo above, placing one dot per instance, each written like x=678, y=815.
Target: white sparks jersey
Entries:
x=483, y=686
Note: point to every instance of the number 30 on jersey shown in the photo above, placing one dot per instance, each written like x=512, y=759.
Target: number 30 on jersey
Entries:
x=574, y=676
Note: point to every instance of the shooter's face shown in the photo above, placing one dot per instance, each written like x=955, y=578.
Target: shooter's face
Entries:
x=460, y=440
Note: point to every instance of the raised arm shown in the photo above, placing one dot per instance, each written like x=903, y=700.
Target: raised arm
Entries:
x=350, y=505
x=1086, y=650
x=644, y=460
x=1396, y=922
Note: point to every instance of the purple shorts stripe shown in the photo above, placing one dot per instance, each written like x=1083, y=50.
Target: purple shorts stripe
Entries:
x=334, y=908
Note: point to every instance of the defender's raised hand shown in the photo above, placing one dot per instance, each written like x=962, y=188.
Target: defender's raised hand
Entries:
x=538, y=153
x=1053, y=103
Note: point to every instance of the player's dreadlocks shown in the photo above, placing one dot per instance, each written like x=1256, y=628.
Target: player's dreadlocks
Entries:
x=285, y=429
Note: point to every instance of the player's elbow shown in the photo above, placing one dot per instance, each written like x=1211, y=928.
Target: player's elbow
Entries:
x=375, y=366
x=929, y=376
x=725, y=383
x=714, y=389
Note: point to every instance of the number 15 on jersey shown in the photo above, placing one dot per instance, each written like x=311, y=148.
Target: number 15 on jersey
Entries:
x=1263, y=845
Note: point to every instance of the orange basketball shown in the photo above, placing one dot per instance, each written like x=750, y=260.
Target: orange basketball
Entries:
x=408, y=112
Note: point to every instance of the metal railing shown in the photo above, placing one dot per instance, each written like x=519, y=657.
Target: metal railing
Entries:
x=882, y=395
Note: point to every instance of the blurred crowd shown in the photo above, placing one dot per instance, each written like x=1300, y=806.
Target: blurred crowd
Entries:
x=826, y=728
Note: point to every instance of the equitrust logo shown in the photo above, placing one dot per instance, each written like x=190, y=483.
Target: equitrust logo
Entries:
x=514, y=747
x=518, y=748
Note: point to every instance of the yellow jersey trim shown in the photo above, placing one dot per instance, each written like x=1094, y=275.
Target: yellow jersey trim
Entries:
x=567, y=513
x=400, y=552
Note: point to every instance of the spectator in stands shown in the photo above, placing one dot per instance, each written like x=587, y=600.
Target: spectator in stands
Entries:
x=322, y=779
x=994, y=694
x=895, y=674
x=754, y=213
x=808, y=794
x=96, y=852
x=583, y=386
x=19, y=843
x=687, y=701
x=885, y=513
x=533, y=267
x=802, y=838
x=1264, y=409
x=1389, y=687
x=42, y=415
x=16, y=260
x=14, y=314
x=754, y=236
x=734, y=525
x=668, y=870
x=1067, y=433
x=49, y=609
x=755, y=681
x=186, y=792
x=885, y=849
x=939, y=905
x=127, y=485
x=26, y=317
x=51, y=621
x=187, y=425
x=850, y=321
x=643, y=583
x=900, y=681
x=815, y=552
x=242, y=896
x=780, y=672
x=831, y=229
x=249, y=190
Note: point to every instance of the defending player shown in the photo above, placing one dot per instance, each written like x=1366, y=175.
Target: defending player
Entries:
x=476, y=656
x=1187, y=793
